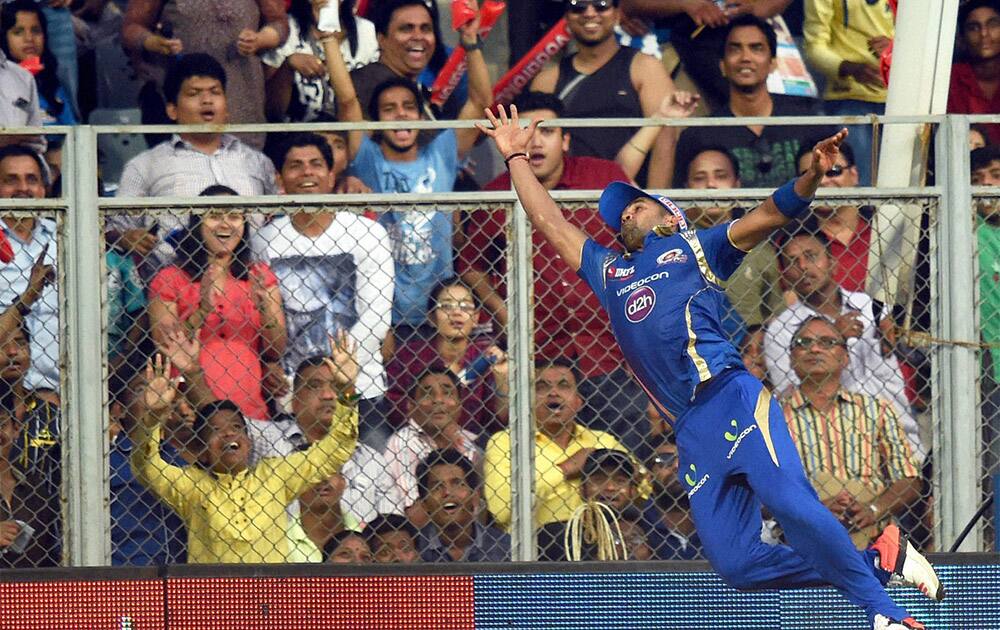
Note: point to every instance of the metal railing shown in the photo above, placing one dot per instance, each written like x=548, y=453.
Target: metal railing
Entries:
x=954, y=403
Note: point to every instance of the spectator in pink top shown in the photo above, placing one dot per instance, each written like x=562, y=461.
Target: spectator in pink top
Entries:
x=233, y=305
x=453, y=313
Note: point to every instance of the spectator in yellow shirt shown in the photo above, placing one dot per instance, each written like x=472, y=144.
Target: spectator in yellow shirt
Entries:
x=561, y=448
x=234, y=512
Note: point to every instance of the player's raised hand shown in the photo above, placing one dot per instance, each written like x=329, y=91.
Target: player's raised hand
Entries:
x=507, y=133
x=825, y=155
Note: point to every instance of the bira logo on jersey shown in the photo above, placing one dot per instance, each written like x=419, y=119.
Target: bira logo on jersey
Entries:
x=675, y=255
x=640, y=304
x=620, y=273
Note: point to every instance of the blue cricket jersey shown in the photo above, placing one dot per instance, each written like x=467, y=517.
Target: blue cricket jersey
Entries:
x=666, y=309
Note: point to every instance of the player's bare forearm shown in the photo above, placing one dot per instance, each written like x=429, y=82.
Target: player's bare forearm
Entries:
x=545, y=215
x=512, y=142
x=766, y=218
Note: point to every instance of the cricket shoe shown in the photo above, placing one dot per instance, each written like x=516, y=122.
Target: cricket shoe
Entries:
x=905, y=564
x=884, y=623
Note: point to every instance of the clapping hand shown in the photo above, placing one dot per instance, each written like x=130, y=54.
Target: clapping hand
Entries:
x=181, y=351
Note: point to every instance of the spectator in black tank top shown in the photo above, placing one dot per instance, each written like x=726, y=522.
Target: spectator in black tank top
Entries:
x=605, y=80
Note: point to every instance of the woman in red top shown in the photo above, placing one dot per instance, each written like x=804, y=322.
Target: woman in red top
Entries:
x=976, y=77
x=233, y=304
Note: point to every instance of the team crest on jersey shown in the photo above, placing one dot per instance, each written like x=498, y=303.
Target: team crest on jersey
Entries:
x=640, y=304
x=675, y=255
x=620, y=273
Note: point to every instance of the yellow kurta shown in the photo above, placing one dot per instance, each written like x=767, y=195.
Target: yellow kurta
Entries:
x=241, y=518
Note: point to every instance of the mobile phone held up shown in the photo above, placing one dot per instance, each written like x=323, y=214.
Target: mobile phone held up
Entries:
x=329, y=17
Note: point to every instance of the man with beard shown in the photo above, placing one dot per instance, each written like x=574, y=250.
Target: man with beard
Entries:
x=765, y=155
x=562, y=447
x=672, y=535
x=667, y=321
x=452, y=497
x=807, y=269
x=606, y=80
x=608, y=477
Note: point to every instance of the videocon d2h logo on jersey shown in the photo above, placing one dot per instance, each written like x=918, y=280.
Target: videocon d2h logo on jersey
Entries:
x=640, y=304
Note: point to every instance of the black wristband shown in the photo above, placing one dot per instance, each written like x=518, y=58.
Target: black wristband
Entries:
x=510, y=157
x=470, y=47
x=23, y=309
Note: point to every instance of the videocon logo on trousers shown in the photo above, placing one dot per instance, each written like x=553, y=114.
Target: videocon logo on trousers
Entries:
x=640, y=304
x=689, y=478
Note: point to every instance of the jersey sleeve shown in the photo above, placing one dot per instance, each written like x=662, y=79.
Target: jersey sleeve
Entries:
x=722, y=256
x=594, y=261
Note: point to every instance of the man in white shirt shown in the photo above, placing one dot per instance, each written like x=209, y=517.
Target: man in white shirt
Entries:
x=19, y=106
x=873, y=369
x=23, y=240
x=335, y=271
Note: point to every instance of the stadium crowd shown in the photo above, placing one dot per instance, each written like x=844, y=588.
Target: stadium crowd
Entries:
x=328, y=386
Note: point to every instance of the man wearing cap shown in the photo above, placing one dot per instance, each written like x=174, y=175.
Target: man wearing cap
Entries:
x=664, y=304
x=608, y=477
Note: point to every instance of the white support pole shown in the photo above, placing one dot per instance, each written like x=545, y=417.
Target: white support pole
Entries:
x=918, y=83
x=957, y=434
x=85, y=438
x=520, y=308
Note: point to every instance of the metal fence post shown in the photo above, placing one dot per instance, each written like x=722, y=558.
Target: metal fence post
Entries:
x=957, y=367
x=85, y=437
x=522, y=423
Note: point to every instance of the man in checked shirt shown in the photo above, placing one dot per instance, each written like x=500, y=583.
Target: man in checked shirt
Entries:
x=187, y=163
x=852, y=446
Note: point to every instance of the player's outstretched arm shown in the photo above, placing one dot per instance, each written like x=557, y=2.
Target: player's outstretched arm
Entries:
x=788, y=202
x=512, y=142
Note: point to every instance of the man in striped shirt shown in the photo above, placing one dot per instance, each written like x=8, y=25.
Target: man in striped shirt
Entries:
x=852, y=446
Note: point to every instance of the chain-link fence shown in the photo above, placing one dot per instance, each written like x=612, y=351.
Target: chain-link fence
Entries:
x=32, y=366
x=493, y=407
x=984, y=208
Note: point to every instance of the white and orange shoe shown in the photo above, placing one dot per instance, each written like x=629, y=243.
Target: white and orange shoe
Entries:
x=884, y=623
x=906, y=564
